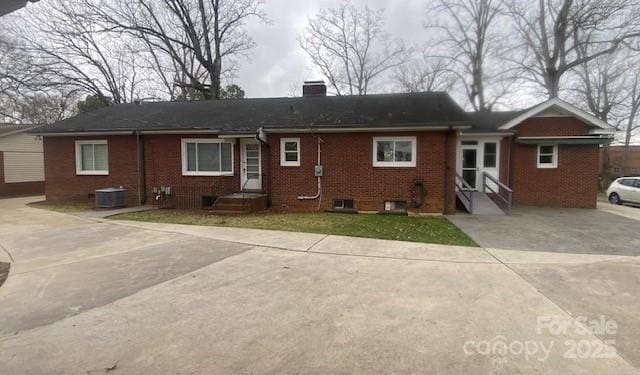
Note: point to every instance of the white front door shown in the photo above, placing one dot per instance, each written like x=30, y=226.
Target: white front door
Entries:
x=251, y=165
x=477, y=156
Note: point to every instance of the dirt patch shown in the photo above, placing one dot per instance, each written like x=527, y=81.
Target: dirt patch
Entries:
x=4, y=271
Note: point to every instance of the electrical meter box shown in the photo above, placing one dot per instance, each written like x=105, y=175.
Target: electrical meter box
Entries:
x=318, y=171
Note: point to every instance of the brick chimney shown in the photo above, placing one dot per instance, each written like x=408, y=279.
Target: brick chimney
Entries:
x=314, y=88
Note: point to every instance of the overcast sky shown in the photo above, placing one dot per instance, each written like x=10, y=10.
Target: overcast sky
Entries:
x=277, y=63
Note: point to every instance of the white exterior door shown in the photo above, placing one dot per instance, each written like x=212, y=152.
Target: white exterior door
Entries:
x=251, y=165
x=476, y=156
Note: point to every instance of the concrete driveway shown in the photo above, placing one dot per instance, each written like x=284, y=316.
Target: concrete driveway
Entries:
x=94, y=296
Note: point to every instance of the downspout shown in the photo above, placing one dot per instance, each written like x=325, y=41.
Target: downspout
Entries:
x=447, y=165
x=319, y=192
x=140, y=169
x=261, y=136
x=509, y=163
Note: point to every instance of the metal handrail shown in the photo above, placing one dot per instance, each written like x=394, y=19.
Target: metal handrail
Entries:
x=242, y=190
x=507, y=200
x=463, y=192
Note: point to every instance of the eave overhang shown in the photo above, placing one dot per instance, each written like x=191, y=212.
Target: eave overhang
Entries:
x=569, y=140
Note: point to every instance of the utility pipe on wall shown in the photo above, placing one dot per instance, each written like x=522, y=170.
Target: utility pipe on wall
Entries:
x=319, y=192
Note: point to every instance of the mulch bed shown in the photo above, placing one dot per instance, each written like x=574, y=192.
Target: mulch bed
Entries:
x=4, y=271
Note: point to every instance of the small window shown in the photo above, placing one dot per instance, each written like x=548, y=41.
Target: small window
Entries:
x=92, y=158
x=394, y=152
x=547, y=156
x=290, y=152
x=343, y=204
x=490, y=154
x=398, y=206
x=207, y=157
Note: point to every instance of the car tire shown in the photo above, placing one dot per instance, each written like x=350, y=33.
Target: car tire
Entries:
x=614, y=198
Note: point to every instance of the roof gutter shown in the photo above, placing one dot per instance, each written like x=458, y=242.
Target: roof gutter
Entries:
x=564, y=140
x=367, y=129
x=83, y=134
x=264, y=130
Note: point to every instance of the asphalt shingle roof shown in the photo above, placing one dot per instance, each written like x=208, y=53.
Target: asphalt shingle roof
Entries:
x=248, y=115
x=487, y=122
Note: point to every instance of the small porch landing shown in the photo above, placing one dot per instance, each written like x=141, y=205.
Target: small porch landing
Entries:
x=239, y=203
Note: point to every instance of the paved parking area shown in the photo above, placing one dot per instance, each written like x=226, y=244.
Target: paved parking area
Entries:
x=576, y=231
x=84, y=296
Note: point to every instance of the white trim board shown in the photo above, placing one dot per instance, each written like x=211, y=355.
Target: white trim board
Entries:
x=562, y=105
x=395, y=164
x=184, y=158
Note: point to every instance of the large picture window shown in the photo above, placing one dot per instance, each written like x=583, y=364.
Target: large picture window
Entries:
x=394, y=152
x=547, y=156
x=207, y=157
x=92, y=158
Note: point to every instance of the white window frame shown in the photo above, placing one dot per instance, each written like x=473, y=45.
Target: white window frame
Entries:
x=395, y=164
x=553, y=164
x=83, y=172
x=185, y=159
x=283, y=159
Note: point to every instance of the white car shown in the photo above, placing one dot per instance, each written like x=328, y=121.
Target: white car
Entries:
x=624, y=190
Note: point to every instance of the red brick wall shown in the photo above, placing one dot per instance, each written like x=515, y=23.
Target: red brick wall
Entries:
x=347, y=161
x=62, y=183
x=573, y=184
x=163, y=167
x=616, y=161
x=349, y=172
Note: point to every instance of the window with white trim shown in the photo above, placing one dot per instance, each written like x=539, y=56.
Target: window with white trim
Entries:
x=92, y=157
x=290, y=152
x=490, y=154
x=207, y=157
x=394, y=151
x=547, y=156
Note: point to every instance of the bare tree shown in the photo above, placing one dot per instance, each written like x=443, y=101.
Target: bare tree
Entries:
x=467, y=34
x=69, y=49
x=197, y=35
x=554, y=31
x=424, y=74
x=45, y=108
x=27, y=95
x=350, y=47
x=631, y=123
x=600, y=83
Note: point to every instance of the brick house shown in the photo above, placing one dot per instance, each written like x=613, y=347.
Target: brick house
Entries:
x=616, y=161
x=400, y=152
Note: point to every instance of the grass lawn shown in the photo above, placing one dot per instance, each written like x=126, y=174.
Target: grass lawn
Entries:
x=62, y=207
x=389, y=227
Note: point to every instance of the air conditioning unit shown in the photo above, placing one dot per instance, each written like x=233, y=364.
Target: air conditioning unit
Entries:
x=110, y=198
